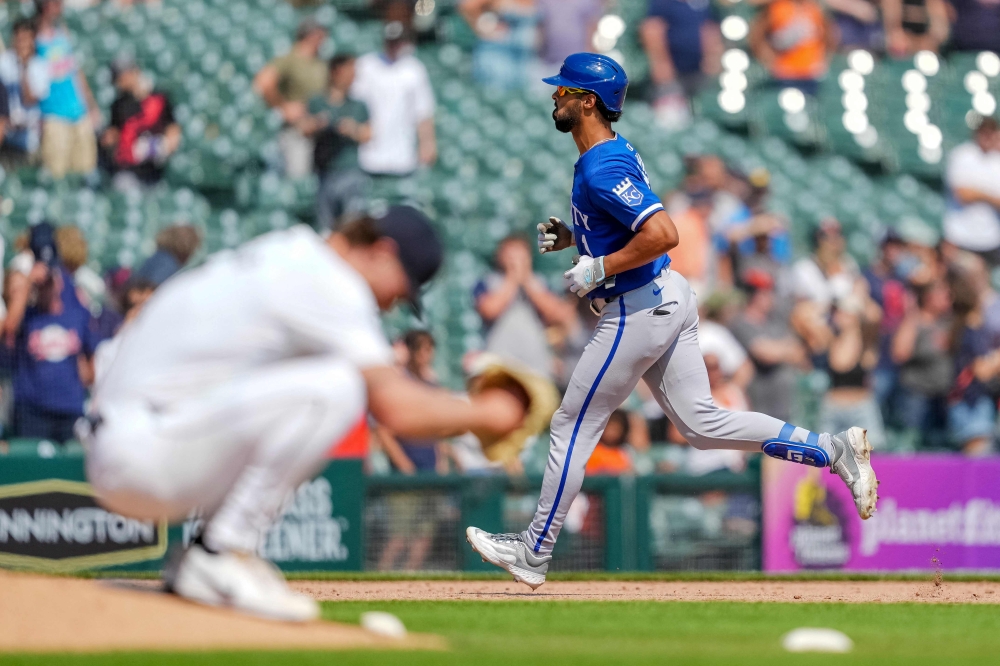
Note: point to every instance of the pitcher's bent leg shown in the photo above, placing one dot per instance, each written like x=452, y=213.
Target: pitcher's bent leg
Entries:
x=235, y=452
x=311, y=410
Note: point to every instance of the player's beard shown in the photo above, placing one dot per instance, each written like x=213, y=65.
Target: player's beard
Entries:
x=567, y=120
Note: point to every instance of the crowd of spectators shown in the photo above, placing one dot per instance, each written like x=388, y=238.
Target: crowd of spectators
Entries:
x=60, y=318
x=50, y=119
x=518, y=41
x=60, y=323
x=353, y=118
x=794, y=39
x=905, y=347
x=350, y=120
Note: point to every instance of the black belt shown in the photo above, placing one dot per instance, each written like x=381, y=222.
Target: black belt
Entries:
x=597, y=312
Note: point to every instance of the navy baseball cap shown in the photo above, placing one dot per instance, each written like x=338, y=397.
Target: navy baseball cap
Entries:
x=596, y=73
x=420, y=249
x=42, y=242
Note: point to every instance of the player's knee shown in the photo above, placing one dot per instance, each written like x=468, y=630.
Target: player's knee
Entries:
x=702, y=429
x=699, y=441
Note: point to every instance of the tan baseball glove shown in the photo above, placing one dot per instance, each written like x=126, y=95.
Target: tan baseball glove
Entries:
x=538, y=395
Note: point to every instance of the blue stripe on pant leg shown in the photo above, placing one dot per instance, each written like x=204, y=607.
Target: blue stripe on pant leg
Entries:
x=579, y=422
x=787, y=431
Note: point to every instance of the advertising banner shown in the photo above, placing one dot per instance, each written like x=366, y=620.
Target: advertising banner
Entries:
x=934, y=512
x=50, y=521
x=55, y=525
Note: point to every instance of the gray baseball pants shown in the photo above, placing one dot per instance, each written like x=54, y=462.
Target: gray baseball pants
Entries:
x=649, y=333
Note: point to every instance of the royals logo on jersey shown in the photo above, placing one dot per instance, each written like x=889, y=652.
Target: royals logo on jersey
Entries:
x=628, y=193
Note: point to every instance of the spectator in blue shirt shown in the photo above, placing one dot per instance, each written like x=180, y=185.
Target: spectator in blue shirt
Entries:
x=859, y=24
x=175, y=246
x=972, y=410
x=976, y=25
x=52, y=350
x=70, y=115
x=684, y=46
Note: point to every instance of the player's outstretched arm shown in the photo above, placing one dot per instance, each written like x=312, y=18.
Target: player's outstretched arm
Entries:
x=553, y=236
x=655, y=237
x=411, y=409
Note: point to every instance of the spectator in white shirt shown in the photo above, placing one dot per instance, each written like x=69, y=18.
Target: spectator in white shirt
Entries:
x=972, y=221
x=716, y=340
x=26, y=78
x=397, y=91
x=829, y=273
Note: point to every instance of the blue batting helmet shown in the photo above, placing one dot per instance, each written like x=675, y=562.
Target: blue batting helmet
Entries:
x=597, y=73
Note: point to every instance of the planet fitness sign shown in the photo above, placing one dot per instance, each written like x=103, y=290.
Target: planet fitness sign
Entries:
x=934, y=510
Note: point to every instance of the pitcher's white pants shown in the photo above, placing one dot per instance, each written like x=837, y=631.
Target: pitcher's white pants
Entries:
x=649, y=333
x=235, y=452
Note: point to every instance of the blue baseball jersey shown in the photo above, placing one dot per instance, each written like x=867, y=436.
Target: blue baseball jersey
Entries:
x=611, y=201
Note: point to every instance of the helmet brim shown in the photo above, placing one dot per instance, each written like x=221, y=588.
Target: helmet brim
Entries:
x=559, y=80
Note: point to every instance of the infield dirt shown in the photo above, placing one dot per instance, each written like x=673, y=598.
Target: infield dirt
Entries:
x=48, y=614
x=56, y=614
x=754, y=591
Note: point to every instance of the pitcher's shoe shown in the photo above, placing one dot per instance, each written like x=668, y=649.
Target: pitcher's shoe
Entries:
x=510, y=552
x=854, y=466
x=240, y=581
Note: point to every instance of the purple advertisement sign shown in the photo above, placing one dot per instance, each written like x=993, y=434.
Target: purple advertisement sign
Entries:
x=934, y=511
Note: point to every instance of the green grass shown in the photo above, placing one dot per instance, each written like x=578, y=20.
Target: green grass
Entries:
x=632, y=633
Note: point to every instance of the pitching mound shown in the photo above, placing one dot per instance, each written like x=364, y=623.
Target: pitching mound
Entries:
x=765, y=590
x=40, y=614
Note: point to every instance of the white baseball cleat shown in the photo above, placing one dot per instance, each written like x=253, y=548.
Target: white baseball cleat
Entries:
x=242, y=582
x=508, y=551
x=855, y=468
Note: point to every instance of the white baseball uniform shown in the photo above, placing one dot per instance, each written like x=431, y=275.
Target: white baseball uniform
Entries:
x=232, y=383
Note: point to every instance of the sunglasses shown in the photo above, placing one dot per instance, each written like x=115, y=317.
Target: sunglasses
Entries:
x=562, y=91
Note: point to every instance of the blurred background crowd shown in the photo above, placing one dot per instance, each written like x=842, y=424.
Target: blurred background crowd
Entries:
x=833, y=169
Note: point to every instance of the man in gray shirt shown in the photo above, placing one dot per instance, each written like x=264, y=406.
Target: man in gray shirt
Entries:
x=765, y=334
x=516, y=307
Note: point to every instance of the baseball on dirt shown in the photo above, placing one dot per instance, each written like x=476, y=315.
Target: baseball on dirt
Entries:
x=383, y=624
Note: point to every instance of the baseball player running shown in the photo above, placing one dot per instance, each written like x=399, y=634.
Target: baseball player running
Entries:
x=237, y=377
x=648, y=328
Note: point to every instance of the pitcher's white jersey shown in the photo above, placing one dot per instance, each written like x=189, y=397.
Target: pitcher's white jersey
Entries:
x=284, y=295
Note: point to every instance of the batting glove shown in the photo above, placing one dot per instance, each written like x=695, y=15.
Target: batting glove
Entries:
x=586, y=276
x=553, y=236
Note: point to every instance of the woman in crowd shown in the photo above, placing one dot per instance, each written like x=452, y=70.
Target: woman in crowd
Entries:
x=851, y=357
